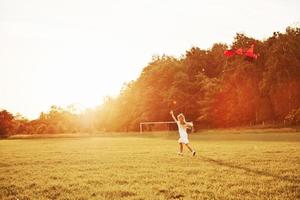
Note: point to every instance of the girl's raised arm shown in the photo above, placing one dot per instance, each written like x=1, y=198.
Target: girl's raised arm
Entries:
x=172, y=114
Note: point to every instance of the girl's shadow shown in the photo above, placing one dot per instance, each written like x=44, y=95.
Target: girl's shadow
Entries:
x=249, y=170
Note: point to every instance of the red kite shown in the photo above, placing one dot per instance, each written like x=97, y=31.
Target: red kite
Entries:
x=249, y=53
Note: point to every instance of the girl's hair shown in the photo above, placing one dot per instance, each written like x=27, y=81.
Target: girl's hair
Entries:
x=181, y=115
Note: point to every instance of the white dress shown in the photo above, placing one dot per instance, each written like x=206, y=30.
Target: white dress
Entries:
x=183, y=136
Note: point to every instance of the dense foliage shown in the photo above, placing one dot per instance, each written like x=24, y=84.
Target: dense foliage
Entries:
x=209, y=88
x=213, y=90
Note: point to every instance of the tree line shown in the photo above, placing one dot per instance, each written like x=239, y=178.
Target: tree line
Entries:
x=212, y=90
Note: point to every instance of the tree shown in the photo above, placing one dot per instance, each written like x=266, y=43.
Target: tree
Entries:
x=6, y=123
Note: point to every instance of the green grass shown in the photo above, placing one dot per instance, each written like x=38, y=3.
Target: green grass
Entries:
x=228, y=166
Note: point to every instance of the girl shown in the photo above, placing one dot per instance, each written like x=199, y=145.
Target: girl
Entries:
x=183, y=136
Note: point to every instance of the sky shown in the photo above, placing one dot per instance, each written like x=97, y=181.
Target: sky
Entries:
x=63, y=52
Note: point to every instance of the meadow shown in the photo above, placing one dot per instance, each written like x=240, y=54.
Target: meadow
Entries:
x=228, y=165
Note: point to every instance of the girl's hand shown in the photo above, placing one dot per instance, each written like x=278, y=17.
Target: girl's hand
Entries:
x=171, y=112
x=189, y=125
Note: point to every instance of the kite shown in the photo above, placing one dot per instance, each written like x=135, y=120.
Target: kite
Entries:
x=249, y=53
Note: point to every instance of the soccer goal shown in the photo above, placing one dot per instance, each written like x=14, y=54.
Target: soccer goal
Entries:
x=157, y=126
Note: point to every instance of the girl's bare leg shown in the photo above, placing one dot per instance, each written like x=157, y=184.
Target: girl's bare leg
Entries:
x=187, y=145
x=180, y=148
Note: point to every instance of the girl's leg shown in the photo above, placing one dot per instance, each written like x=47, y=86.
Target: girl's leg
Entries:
x=180, y=148
x=187, y=145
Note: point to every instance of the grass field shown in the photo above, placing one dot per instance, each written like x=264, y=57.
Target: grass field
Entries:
x=228, y=166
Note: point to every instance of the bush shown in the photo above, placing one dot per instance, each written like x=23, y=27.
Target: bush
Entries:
x=293, y=117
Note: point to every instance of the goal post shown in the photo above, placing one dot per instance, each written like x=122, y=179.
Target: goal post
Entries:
x=151, y=125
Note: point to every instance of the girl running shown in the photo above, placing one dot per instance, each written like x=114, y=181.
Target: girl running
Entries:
x=183, y=136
